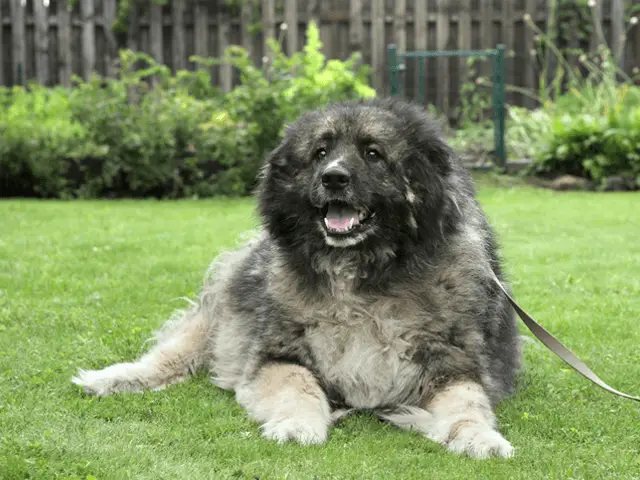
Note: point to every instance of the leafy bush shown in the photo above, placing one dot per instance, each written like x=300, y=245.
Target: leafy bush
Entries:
x=591, y=146
x=150, y=133
x=40, y=140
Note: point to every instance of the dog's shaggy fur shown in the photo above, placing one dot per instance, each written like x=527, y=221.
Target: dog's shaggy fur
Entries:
x=369, y=287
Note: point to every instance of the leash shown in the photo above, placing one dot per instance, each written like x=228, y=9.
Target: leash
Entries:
x=558, y=348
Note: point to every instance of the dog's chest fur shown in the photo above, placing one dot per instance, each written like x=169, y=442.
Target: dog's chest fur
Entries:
x=363, y=349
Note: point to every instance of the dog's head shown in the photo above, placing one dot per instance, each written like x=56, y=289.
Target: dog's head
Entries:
x=357, y=175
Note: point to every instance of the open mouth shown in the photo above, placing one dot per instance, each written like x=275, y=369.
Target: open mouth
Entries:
x=343, y=219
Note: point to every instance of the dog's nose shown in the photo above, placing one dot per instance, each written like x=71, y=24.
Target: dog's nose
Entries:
x=335, y=178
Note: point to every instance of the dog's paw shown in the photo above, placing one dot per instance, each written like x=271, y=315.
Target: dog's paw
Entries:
x=479, y=441
x=113, y=379
x=306, y=431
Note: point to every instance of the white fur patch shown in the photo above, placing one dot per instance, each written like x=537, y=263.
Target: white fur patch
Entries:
x=411, y=197
x=121, y=377
x=459, y=418
x=289, y=403
x=334, y=163
x=363, y=354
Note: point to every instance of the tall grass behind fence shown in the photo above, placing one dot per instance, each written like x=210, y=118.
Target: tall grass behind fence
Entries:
x=47, y=41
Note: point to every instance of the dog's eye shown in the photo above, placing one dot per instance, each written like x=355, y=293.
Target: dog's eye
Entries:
x=372, y=154
x=321, y=153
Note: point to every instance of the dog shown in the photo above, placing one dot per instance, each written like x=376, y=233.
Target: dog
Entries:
x=368, y=287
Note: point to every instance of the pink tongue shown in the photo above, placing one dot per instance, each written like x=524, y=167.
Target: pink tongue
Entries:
x=339, y=217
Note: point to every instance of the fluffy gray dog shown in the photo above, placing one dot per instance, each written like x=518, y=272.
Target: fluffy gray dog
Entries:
x=369, y=287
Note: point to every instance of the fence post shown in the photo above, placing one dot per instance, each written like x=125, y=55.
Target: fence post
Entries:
x=392, y=63
x=498, y=104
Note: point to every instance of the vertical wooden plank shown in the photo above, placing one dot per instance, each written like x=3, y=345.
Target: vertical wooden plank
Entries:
x=356, y=27
x=552, y=32
x=442, y=38
x=486, y=34
x=377, y=44
x=87, y=11
x=64, y=44
x=18, y=41
x=597, y=35
x=312, y=12
x=508, y=41
x=109, y=10
x=530, y=82
x=420, y=28
x=223, y=43
x=400, y=25
x=245, y=20
x=133, y=31
x=41, y=42
x=464, y=38
x=324, y=26
x=1, y=47
x=155, y=32
x=617, y=30
x=268, y=26
x=421, y=25
x=178, y=45
x=291, y=19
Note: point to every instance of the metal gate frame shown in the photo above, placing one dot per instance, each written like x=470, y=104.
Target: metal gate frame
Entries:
x=396, y=65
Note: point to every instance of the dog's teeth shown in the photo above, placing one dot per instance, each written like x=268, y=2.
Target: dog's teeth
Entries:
x=351, y=223
x=326, y=222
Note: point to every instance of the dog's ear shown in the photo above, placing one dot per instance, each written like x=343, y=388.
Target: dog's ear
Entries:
x=279, y=156
x=428, y=175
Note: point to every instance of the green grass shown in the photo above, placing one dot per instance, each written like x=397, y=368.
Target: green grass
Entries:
x=83, y=284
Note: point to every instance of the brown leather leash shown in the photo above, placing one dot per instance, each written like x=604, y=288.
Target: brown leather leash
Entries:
x=558, y=348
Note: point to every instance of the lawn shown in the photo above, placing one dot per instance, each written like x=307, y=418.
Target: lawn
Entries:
x=83, y=284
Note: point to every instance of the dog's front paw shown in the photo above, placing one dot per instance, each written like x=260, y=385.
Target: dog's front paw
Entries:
x=479, y=441
x=306, y=431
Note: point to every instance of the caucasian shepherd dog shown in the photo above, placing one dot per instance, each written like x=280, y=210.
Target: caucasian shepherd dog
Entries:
x=370, y=287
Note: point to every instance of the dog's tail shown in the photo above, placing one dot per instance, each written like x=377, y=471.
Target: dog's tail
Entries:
x=179, y=351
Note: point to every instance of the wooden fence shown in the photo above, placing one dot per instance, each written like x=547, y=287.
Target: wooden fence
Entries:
x=44, y=40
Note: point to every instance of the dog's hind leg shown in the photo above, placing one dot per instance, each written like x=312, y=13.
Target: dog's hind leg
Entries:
x=179, y=350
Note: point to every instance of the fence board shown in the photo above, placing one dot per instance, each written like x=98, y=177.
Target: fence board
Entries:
x=2, y=79
x=41, y=42
x=442, y=38
x=245, y=20
x=291, y=19
x=133, y=32
x=356, y=28
x=223, y=43
x=529, y=80
x=18, y=39
x=508, y=40
x=111, y=54
x=156, y=38
x=87, y=9
x=268, y=26
x=400, y=25
x=53, y=43
x=377, y=45
x=178, y=46
x=617, y=30
x=464, y=36
x=64, y=44
x=597, y=35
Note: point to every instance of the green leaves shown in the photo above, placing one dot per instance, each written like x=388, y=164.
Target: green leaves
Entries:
x=151, y=133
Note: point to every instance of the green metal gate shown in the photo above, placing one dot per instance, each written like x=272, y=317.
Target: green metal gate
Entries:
x=396, y=64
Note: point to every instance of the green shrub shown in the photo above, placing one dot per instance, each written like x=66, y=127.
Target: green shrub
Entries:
x=150, y=133
x=40, y=141
x=593, y=146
